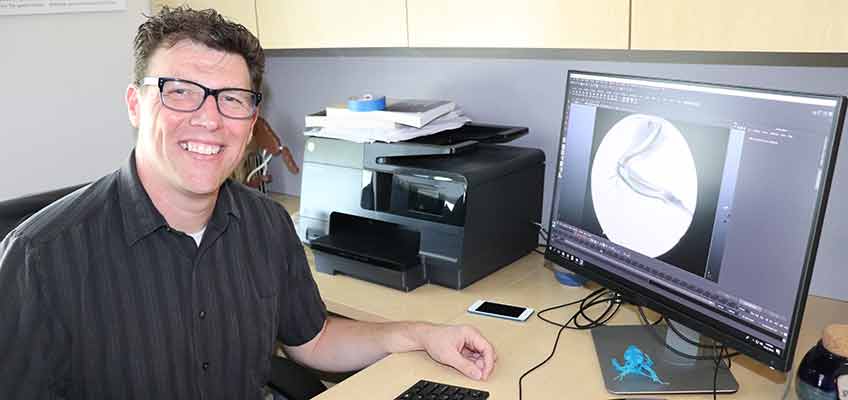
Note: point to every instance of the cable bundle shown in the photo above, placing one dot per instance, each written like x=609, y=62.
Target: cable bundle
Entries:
x=612, y=301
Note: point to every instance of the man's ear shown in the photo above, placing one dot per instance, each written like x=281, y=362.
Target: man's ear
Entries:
x=133, y=104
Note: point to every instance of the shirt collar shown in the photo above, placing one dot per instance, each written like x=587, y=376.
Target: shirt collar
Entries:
x=224, y=207
x=140, y=217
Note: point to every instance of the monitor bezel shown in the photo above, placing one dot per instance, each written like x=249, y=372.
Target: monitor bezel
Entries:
x=690, y=316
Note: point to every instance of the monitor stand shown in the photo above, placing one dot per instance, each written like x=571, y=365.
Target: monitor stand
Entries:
x=672, y=373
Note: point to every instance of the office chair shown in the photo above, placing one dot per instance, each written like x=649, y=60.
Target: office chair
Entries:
x=293, y=381
x=15, y=211
x=288, y=378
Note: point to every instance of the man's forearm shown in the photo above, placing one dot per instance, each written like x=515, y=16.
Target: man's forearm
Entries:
x=348, y=345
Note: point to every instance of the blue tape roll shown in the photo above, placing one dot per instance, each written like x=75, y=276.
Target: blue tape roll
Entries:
x=568, y=278
x=366, y=102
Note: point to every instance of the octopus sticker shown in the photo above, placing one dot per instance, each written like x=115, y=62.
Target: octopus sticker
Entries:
x=644, y=184
x=636, y=363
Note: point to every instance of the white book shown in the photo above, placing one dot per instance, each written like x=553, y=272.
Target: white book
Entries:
x=321, y=120
x=451, y=120
x=416, y=113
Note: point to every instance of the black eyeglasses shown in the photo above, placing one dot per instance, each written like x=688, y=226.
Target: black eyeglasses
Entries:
x=187, y=96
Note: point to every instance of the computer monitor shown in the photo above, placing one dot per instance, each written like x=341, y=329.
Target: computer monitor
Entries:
x=703, y=202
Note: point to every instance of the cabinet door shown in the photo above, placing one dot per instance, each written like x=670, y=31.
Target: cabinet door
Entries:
x=741, y=25
x=288, y=24
x=241, y=11
x=597, y=24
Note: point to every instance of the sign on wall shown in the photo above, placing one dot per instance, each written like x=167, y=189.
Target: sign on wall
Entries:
x=24, y=7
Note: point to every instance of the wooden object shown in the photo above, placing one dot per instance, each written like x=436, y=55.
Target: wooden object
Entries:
x=297, y=24
x=598, y=24
x=731, y=25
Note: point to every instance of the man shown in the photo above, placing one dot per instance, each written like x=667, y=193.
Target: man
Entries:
x=164, y=280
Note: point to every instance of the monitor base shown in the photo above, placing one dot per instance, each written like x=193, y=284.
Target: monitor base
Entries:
x=634, y=360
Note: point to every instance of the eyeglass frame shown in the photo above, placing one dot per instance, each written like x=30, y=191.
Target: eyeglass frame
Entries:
x=160, y=82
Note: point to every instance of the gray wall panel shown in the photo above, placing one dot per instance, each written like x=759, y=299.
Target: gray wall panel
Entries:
x=529, y=91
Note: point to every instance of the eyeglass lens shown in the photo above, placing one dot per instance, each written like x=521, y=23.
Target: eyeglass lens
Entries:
x=187, y=96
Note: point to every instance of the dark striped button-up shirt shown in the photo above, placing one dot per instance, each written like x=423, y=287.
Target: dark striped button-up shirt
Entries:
x=100, y=299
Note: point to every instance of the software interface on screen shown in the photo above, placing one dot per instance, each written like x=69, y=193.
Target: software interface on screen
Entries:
x=706, y=195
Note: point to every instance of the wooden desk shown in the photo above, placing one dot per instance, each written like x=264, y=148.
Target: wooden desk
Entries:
x=574, y=369
x=573, y=372
x=361, y=300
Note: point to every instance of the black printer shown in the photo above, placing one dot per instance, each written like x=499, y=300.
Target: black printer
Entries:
x=470, y=201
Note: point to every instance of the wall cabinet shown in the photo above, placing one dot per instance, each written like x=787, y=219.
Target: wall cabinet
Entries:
x=598, y=24
x=289, y=24
x=733, y=25
x=241, y=11
x=692, y=25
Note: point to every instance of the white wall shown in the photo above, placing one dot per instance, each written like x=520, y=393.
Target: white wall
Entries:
x=62, y=115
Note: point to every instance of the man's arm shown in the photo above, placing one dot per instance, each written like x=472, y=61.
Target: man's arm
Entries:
x=347, y=345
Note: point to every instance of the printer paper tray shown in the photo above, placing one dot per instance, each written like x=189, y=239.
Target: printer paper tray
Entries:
x=401, y=279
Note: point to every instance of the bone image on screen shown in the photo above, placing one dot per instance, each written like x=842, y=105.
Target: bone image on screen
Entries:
x=644, y=184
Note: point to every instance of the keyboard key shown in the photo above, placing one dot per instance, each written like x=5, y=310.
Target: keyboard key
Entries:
x=428, y=390
x=439, y=388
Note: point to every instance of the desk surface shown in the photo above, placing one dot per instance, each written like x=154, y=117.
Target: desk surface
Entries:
x=574, y=368
x=521, y=346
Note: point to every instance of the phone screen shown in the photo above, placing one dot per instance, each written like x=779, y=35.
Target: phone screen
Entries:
x=500, y=309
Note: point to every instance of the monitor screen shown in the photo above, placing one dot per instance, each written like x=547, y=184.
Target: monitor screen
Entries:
x=701, y=201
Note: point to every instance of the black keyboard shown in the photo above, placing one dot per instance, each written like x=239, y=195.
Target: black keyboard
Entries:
x=427, y=390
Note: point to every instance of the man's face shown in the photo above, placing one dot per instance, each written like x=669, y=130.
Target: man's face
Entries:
x=190, y=153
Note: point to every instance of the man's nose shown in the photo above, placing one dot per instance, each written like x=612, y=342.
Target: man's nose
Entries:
x=208, y=115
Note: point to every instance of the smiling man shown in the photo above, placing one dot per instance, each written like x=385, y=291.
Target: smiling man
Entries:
x=166, y=280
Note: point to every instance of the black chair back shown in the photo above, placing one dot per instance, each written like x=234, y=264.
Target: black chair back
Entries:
x=17, y=210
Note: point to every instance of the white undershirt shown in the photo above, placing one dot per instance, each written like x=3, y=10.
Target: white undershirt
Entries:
x=197, y=236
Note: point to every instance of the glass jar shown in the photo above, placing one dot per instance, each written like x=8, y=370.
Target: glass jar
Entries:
x=817, y=374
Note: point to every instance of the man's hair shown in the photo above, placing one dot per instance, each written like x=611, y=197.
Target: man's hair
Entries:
x=206, y=27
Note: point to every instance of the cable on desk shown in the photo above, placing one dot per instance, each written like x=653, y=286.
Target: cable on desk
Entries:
x=559, y=333
x=721, y=354
x=598, y=297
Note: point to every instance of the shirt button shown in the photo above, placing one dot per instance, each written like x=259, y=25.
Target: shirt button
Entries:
x=205, y=366
x=202, y=314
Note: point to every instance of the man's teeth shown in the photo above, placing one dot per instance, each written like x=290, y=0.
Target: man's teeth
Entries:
x=200, y=148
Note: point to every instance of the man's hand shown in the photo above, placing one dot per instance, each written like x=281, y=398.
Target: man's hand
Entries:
x=461, y=347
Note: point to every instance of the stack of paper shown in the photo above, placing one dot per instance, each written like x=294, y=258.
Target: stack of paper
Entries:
x=401, y=120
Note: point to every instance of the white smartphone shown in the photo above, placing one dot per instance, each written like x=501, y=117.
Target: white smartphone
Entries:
x=499, y=310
